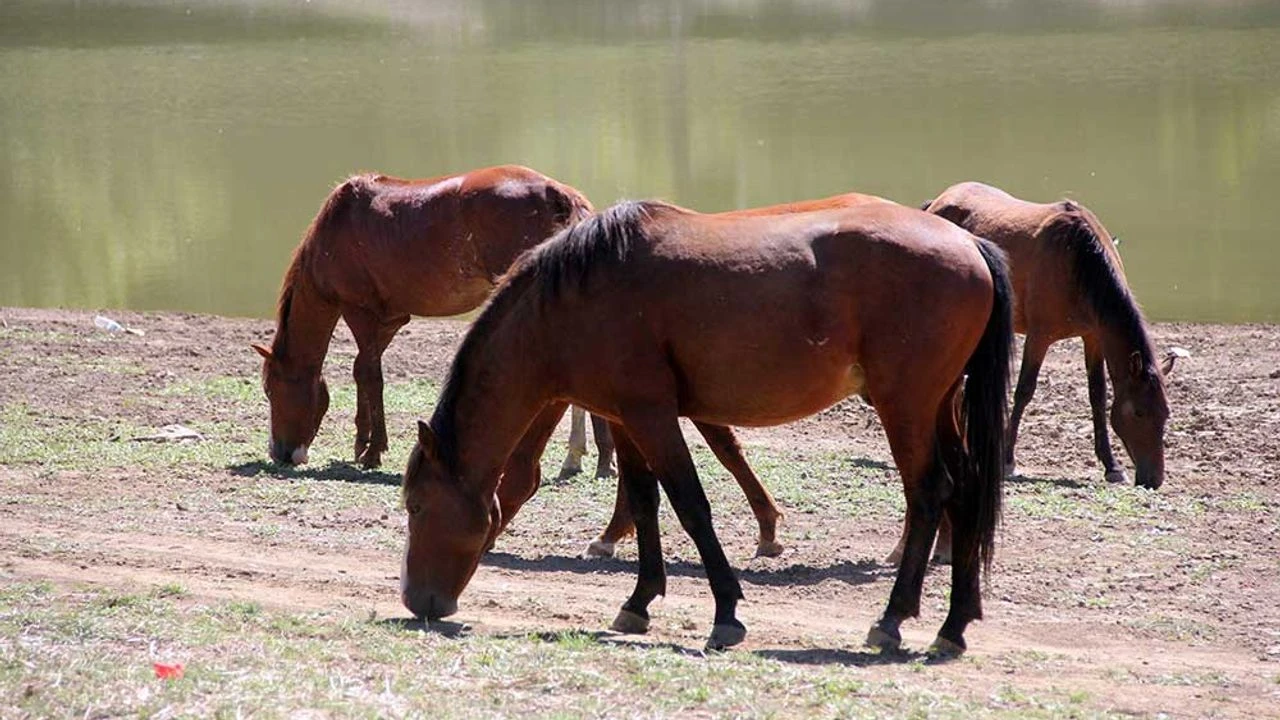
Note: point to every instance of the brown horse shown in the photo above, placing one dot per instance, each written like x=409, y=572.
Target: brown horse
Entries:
x=720, y=439
x=729, y=321
x=1069, y=282
x=380, y=250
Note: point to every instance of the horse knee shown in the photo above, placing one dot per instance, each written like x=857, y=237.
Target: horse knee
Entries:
x=367, y=370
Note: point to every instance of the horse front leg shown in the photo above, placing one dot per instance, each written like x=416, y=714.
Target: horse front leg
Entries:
x=656, y=433
x=729, y=453
x=372, y=335
x=638, y=490
x=1033, y=352
x=1096, y=370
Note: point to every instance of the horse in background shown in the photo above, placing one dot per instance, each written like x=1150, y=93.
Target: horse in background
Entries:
x=1069, y=282
x=380, y=250
x=728, y=321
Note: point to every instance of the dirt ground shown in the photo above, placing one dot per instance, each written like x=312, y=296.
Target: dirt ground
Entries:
x=1152, y=603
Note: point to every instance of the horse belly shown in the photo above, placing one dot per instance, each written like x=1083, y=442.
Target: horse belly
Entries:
x=747, y=393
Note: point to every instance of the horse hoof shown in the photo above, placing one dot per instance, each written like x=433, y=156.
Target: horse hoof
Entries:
x=769, y=548
x=944, y=649
x=725, y=636
x=600, y=549
x=603, y=473
x=1117, y=477
x=370, y=461
x=1010, y=470
x=630, y=623
x=942, y=558
x=894, y=557
x=877, y=637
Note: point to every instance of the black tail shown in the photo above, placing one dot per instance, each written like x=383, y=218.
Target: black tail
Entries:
x=985, y=401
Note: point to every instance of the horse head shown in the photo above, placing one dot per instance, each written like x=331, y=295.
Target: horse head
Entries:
x=299, y=399
x=1139, y=415
x=450, y=527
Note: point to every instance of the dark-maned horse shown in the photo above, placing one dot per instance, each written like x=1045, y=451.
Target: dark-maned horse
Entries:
x=729, y=321
x=1069, y=282
x=380, y=250
x=719, y=438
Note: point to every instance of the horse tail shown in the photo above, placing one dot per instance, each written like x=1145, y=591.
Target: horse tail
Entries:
x=983, y=412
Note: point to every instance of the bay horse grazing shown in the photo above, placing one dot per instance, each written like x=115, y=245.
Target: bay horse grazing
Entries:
x=729, y=321
x=380, y=250
x=719, y=438
x=1069, y=282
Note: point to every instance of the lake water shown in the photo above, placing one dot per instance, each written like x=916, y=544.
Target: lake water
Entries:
x=168, y=155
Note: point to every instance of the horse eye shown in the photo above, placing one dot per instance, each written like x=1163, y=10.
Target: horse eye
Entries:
x=413, y=509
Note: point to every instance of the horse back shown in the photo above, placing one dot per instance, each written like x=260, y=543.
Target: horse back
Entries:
x=1047, y=244
x=434, y=246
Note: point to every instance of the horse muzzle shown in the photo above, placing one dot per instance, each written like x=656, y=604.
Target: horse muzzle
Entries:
x=1148, y=476
x=427, y=604
x=285, y=455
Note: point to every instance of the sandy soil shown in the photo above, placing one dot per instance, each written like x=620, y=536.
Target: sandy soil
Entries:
x=1149, y=602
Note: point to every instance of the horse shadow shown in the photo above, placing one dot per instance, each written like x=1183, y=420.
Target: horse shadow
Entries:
x=334, y=471
x=1062, y=482
x=795, y=656
x=849, y=572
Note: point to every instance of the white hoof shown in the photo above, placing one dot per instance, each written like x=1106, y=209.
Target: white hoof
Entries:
x=600, y=549
x=630, y=623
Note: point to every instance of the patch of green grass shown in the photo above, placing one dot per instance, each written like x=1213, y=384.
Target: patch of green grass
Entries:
x=169, y=590
x=91, y=444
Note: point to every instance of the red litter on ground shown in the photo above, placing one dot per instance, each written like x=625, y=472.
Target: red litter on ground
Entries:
x=168, y=671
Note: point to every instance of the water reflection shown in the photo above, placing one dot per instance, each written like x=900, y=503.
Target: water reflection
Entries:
x=153, y=157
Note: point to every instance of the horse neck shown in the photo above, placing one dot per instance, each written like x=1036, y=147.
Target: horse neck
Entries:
x=305, y=325
x=502, y=392
x=1118, y=345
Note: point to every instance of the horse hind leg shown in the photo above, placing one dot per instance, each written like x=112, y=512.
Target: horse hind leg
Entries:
x=621, y=524
x=577, y=443
x=727, y=450
x=604, y=447
x=927, y=487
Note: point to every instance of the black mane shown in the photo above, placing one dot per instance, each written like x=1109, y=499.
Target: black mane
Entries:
x=1100, y=281
x=564, y=262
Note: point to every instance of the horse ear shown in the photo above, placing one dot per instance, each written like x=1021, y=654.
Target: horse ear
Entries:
x=1135, y=365
x=427, y=439
x=1173, y=354
x=265, y=353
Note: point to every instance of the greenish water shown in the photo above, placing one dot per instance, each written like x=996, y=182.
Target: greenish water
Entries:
x=168, y=155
